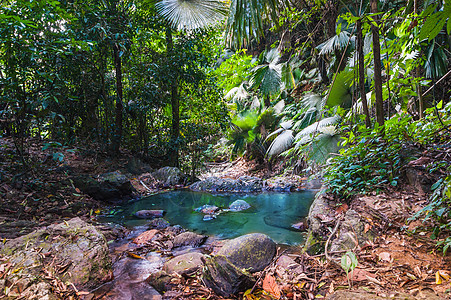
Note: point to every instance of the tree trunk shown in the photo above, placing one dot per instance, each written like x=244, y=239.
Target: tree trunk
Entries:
x=417, y=74
x=377, y=67
x=119, y=106
x=175, y=105
x=362, y=74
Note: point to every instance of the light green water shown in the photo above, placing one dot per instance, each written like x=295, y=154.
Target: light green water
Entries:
x=270, y=213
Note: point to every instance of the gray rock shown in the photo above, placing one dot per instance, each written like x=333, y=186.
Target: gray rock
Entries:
x=239, y=205
x=169, y=176
x=244, y=184
x=209, y=217
x=76, y=252
x=224, y=278
x=189, y=239
x=110, y=187
x=289, y=265
x=184, y=264
x=252, y=251
x=351, y=232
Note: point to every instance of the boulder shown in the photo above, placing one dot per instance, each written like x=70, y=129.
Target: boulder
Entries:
x=110, y=187
x=189, y=239
x=169, y=176
x=252, y=251
x=224, y=278
x=184, y=264
x=73, y=251
x=239, y=205
x=244, y=184
x=288, y=264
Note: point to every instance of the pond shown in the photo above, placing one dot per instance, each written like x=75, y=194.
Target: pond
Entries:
x=270, y=213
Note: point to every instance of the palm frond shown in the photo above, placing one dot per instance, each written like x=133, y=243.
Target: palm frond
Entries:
x=307, y=134
x=238, y=93
x=281, y=143
x=337, y=42
x=322, y=147
x=267, y=78
x=191, y=14
x=340, y=91
x=278, y=108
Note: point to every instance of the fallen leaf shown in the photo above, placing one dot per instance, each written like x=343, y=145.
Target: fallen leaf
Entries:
x=385, y=256
x=342, y=208
x=367, y=227
x=145, y=237
x=444, y=274
x=133, y=255
x=360, y=275
x=438, y=279
x=270, y=285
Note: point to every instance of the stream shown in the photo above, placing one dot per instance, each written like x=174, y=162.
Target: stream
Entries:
x=270, y=213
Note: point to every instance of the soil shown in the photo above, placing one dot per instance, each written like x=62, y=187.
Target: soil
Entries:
x=402, y=262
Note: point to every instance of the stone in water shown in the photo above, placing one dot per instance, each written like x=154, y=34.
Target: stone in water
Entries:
x=239, y=205
x=149, y=214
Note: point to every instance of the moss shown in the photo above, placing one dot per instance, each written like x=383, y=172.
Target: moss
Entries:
x=313, y=244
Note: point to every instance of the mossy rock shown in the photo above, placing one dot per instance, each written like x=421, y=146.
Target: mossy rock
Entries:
x=184, y=264
x=224, y=278
x=252, y=251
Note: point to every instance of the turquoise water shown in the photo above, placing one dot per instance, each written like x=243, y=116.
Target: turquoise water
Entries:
x=270, y=213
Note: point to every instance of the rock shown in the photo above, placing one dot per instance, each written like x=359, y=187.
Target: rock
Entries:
x=110, y=187
x=189, y=239
x=184, y=264
x=74, y=252
x=207, y=209
x=224, y=278
x=161, y=281
x=351, y=232
x=169, y=176
x=176, y=229
x=301, y=226
x=244, y=184
x=278, y=221
x=149, y=214
x=136, y=166
x=209, y=217
x=239, y=205
x=420, y=180
x=287, y=263
x=158, y=223
x=252, y=251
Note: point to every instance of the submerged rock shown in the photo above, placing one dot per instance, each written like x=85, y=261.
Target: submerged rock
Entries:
x=209, y=217
x=252, y=251
x=239, y=205
x=73, y=251
x=224, y=278
x=189, y=239
x=149, y=214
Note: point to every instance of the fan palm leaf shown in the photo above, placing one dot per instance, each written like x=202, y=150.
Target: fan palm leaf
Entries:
x=337, y=42
x=191, y=14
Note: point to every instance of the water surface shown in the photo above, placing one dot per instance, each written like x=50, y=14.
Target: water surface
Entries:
x=270, y=213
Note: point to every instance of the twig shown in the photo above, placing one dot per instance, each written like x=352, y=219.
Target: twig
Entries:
x=147, y=188
x=328, y=241
x=437, y=82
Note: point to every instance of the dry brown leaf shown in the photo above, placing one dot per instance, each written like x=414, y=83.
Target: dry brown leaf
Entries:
x=341, y=209
x=360, y=275
x=367, y=227
x=145, y=237
x=270, y=285
x=385, y=256
x=441, y=274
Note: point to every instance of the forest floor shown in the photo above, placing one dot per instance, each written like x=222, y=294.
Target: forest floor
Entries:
x=402, y=262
